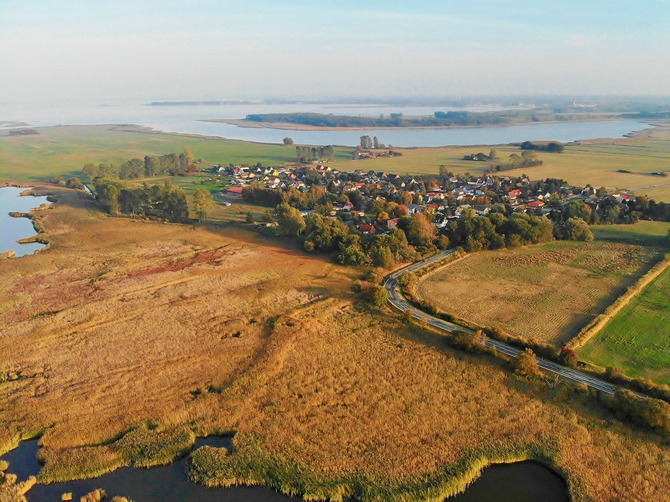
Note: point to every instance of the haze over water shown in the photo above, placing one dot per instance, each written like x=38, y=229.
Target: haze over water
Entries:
x=188, y=118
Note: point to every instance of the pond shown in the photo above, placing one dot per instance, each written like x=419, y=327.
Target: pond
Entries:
x=518, y=482
x=12, y=229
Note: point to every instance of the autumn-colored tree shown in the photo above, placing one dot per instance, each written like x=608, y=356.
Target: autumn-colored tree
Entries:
x=526, y=364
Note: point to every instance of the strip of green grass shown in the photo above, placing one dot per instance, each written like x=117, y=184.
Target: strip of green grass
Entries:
x=643, y=233
x=637, y=340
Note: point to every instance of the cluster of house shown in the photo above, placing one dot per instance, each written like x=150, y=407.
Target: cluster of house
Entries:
x=446, y=199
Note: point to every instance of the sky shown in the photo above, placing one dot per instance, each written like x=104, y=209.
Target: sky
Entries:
x=228, y=49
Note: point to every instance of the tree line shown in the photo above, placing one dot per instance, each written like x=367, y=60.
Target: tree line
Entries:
x=307, y=154
x=171, y=164
x=551, y=147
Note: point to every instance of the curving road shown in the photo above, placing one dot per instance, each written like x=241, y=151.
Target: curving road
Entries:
x=398, y=301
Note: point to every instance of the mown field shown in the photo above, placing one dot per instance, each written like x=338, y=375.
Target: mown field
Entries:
x=125, y=338
x=545, y=292
x=637, y=339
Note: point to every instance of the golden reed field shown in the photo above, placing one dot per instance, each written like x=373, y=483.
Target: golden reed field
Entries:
x=206, y=330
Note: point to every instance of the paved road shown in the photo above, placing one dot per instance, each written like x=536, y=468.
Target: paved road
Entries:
x=398, y=301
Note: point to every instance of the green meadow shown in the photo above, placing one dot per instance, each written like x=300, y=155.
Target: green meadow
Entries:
x=64, y=150
x=637, y=339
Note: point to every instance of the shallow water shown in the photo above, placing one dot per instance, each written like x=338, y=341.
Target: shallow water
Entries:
x=518, y=482
x=187, y=119
x=13, y=229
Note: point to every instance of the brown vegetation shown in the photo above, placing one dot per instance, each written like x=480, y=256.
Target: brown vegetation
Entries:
x=326, y=397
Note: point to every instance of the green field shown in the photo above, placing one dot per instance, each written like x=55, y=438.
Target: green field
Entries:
x=637, y=340
x=64, y=150
x=644, y=233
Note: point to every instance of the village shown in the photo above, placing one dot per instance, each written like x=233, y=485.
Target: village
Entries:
x=374, y=201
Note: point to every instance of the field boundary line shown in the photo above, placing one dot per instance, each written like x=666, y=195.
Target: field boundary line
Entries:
x=598, y=323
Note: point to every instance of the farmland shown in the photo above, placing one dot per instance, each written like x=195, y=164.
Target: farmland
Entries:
x=545, y=292
x=595, y=162
x=637, y=339
x=64, y=150
x=122, y=323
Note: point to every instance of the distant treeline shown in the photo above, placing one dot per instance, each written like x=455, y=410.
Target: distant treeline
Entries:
x=171, y=164
x=439, y=119
x=551, y=147
x=22, y=132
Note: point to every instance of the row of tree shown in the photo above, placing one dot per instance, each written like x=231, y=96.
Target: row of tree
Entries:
x=476, y=233
x=307, y=154
x=526, y=159
x=551, y=147
x=368, y=143
x=171, y=164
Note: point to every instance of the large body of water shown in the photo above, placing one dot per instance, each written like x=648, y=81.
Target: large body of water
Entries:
x=13, y=229
x=188, y=119
x=519, y=482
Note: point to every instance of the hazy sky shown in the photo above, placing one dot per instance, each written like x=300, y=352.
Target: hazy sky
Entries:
x=197, y=49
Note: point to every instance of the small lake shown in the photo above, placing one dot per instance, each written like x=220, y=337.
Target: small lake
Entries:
x=518, y=482
x=13, y=229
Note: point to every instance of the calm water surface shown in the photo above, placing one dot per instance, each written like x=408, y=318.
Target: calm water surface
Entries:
x=187, y=119
x=13, y=229
x=519, y=482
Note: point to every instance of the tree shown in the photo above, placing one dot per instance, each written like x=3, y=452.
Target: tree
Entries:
x=378, y=296
x=420, y=232
x=151, y=166
x=366, y=142
x=175, y=207
x=574, y=229
x=288, y=141
x=250, y=218
x=569, y=357
x=107, y=193
x=290, y=220
x=202, y=201
x=526, y=364
x=375, y=142
x=493, y=154
x=90, y=170
x=75, y=183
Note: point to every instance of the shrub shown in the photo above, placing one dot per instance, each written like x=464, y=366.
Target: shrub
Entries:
x=377, y=296
x=526, y=364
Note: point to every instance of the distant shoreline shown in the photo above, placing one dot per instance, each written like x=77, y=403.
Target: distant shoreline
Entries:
x=251, y=124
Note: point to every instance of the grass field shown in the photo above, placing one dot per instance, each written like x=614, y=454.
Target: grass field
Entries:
x=545, y=292
x=64, y=150
x=644, y=233
x=637, y=340
x=593, y=162
x=202, y=329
